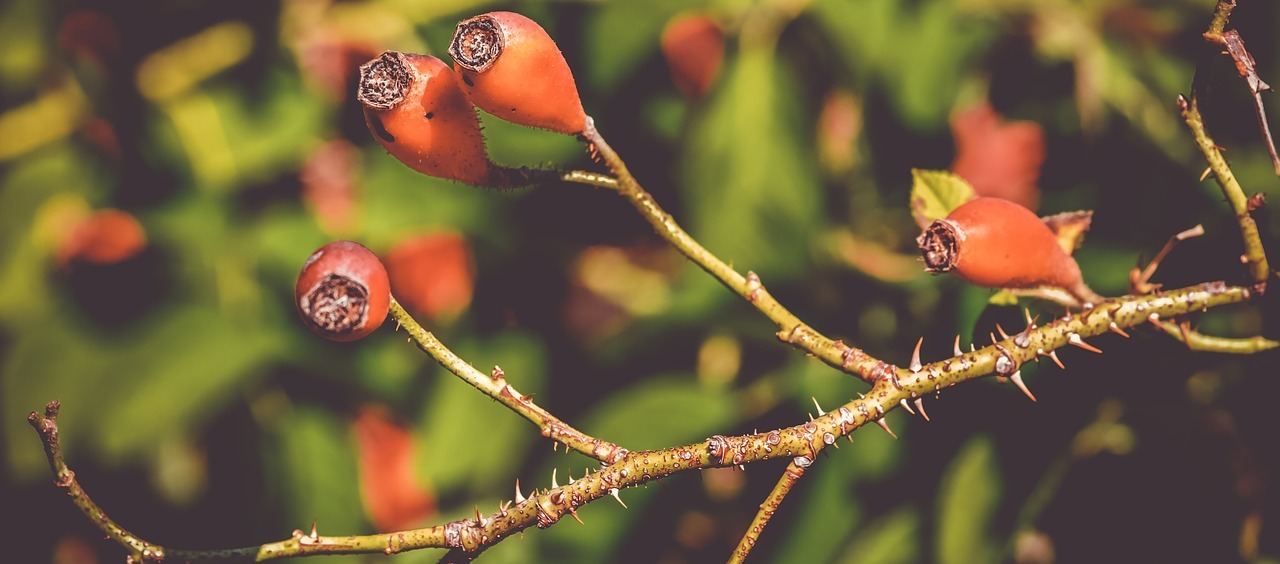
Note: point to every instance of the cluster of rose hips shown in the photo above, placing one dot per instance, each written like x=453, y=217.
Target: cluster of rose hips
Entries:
x=422, y=111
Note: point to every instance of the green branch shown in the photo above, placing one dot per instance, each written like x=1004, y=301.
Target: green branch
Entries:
x=495, y=385
x=1197, y=341
x=791, y=329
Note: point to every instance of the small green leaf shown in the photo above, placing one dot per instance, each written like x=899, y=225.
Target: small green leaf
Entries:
x=967, y=501
x=934, y=193
x=892, y=538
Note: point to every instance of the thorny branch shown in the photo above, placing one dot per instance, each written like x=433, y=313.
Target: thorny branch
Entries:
x=891, y=386
x=466, y=538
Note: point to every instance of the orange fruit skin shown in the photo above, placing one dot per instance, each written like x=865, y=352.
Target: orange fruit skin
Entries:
x=529, y=83
x=434, y=129
x=1005, y=245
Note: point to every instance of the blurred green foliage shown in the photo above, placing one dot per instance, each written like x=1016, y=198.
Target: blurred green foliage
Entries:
x=201, y=414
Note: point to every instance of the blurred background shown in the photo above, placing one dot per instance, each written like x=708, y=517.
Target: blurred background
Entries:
x=166, y=166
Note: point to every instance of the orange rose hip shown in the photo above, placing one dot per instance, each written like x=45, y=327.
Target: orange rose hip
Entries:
x=414, y=109
x=999, y=244
x=509, y=67
x=343, y=293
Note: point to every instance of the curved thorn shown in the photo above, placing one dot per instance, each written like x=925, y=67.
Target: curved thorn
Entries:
x=1054, y=356
x=553, y=479
x=1017, y=381
x=614, y=492
x=920, y=408
x=519, y=496
x=906, y=406
x=956, y=347
x=915, y=357
x=815, y=404
x=1003, y=335
x=1116, y=329
x=1077, y=341
x=884, y=425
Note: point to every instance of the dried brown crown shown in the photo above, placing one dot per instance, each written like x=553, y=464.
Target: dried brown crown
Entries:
x=477, y=43
x=384, y=81
x=337, y=305
x=938, y=245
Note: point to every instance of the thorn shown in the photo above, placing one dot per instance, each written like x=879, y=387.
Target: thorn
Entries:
x=614, y=492
x=906, y=406
x=477, y=510
x=1017, y=381
x=971, y=349
x=884, y=425
x=1206, y=173
x=1154, y=317
x=815, y=404
x=1077, y=341
x=1003, y=335
x=553, y=479
x=742, y=467
x=956, y=347
x=555, y=446
x=519, y=496
x=575, y=515
x=1054, y=356
x=1116, y=329
x=1031, y=322
x=862, y=395
x=314, y=536
x=920, y=408
x=915, y=357
x=850, y=437
x=993, y=337
x=570, y=477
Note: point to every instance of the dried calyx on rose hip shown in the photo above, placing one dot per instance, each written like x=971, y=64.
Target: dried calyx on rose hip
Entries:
x=415, y=110
x=509, y=67
x=343, y=293
x=999, y=244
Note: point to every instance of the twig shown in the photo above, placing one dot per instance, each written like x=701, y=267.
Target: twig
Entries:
x=791, y=329
x=495, y=385
x=795, y=470
x=590, y=178
x=1139, y=280
x=1197, y=341
x=1254, y=255
x=1248, y=70
x=468, y=537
